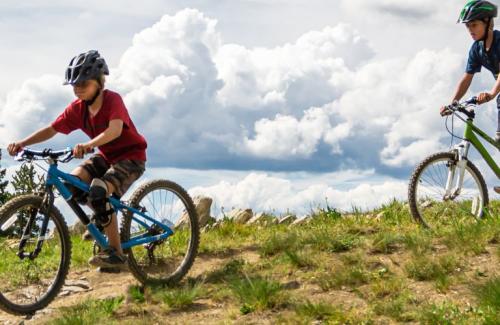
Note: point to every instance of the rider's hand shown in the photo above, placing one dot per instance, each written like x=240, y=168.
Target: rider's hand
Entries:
x=484, y=97
x=14, y=148
x=81, y=149
x=445, y=111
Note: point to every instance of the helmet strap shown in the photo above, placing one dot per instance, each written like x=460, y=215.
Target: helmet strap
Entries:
x=487, y=33
x=93, y=99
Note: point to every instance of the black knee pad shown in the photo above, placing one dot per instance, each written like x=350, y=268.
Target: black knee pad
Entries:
x=77, y=194
x=98, y=200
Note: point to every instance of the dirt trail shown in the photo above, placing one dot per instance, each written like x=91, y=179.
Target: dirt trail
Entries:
x=207, y=311
x=105, y=285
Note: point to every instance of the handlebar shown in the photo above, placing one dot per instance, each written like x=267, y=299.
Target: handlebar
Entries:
x=63, y=156
x=464, y=107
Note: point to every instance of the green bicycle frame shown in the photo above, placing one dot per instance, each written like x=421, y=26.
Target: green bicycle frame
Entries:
x=469, y=135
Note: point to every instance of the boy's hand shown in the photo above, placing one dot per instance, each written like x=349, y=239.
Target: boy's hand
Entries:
x=81, y=149
x=14, y=148
x=484, y=98
x=445, y=111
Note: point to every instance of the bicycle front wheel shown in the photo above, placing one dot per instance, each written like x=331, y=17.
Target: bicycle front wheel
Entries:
x=436, y=198
x=30, y=283
x=164, y=261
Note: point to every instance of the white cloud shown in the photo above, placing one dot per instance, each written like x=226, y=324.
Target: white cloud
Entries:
x=322, y=102
x=34, y=105
x=263, y=192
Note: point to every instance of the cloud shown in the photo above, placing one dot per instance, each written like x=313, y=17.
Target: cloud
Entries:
x=263, y=192
x=323, y=102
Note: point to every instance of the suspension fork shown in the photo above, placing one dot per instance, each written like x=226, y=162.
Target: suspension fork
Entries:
x=47, y=203
x=461, y=151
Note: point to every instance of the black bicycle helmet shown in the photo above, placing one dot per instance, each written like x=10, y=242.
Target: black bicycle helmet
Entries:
x=477, y=10
x=85, y=66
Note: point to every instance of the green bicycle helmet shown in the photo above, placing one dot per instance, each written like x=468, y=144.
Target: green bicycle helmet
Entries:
x=477, y=10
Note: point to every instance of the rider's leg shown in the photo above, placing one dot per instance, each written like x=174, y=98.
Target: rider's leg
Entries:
x=116, y=180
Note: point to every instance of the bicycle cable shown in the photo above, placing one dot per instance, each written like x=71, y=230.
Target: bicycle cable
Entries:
x=452, y=129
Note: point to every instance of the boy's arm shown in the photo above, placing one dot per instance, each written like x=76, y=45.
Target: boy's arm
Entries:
x=113, y=131
x=462, y=87
x=486, y=97
x=39, y=136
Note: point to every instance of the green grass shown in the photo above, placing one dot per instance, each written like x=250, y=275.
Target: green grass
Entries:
x=178, y=298
x=88, y=312
x=425, y=268
x=488, y=295
x=310, y=311
x=350, y=270
x=256, y=293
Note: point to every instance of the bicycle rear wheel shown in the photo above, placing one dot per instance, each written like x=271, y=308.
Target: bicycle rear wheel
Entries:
x=165, y=261
x=30, y=284
x=429, y=203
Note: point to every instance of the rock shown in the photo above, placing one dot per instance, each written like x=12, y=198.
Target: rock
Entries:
x=291, y=285
x=302, y=220
x=259, y=218
x=427, y=204
x=286, y=220
x=240, y=216
x=77, y=229
x=202, y=205
x=78, y=283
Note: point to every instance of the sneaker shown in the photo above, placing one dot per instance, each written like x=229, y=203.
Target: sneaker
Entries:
x=109, y=269
x=109, y=258
x=497, y=189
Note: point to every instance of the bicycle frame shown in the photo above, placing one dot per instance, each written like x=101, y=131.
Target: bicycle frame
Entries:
x=55, y=177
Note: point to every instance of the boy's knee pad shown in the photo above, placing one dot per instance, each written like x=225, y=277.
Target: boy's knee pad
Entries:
x=98, y=200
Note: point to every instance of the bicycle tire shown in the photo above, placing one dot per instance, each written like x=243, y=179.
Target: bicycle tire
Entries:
x=10, y=208
x=141, y=273
x=413, y=184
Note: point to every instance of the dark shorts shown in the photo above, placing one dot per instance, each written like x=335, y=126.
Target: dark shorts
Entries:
x=121, y=174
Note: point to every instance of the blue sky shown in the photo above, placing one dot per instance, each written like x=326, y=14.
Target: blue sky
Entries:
x=256, y=103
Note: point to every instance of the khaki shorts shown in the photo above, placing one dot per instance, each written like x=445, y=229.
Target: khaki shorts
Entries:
x=121, y=174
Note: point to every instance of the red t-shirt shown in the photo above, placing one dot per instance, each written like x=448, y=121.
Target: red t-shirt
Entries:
x=129, y=145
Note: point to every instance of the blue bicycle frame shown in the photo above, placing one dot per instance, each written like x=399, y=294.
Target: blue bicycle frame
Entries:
x=54, y=177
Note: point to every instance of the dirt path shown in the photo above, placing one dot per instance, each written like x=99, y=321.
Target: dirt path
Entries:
x=105, y=285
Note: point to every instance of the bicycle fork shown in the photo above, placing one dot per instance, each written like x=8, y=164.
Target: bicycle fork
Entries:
x=454, y=186
x=48, y=201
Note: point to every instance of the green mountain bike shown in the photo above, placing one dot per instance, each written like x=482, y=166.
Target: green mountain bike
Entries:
x=446, y=187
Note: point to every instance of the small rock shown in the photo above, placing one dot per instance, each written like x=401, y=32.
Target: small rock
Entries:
x=240, y=216
x=77, y=283
x=287, y=220
x=258, y=218
x=291, y=285
x=77, y=229
x=302, y=220
x=380, y=216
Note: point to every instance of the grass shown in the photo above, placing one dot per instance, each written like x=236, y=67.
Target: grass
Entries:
x=89, y=312
x=256, y=293
x=439, y=269
x=179, y=298
x=362, y=267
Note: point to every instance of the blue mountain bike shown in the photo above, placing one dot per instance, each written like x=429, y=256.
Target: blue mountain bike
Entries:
x=159, y=233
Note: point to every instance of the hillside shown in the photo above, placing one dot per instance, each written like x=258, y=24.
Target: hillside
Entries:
x=374, y=268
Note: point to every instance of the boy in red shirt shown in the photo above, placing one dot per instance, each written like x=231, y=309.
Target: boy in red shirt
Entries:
x=102, y=115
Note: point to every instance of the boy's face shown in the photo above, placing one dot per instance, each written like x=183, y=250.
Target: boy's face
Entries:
x=476, y=29
x=85, y=90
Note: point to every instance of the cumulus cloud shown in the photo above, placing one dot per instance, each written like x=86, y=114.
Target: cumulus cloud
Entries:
x=322, y=102
x=263, y=192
